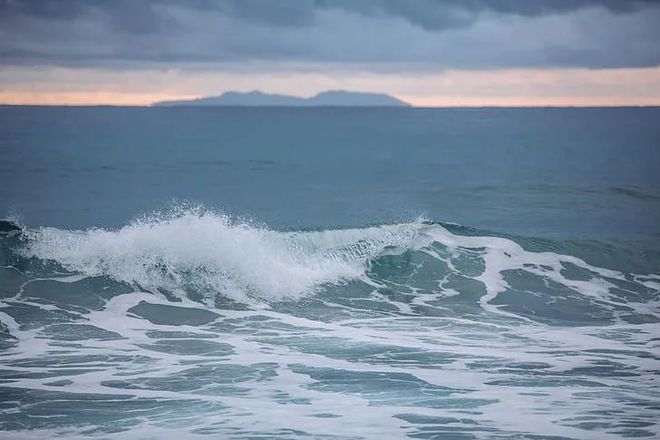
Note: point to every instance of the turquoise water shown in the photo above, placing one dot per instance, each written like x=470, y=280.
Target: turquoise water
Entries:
x=329, y=273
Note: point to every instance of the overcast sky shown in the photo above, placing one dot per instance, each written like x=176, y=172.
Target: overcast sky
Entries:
x=428, y=52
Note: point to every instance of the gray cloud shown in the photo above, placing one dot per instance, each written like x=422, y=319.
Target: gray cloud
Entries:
x=374, y=33
x=443, y=14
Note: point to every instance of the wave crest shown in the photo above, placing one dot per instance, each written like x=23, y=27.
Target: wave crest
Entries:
x=211, y=252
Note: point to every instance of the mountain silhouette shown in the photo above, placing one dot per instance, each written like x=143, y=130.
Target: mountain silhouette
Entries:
x=339, y=98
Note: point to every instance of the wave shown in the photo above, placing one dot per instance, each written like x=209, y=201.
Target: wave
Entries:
x=212, y=252
x=408, y=267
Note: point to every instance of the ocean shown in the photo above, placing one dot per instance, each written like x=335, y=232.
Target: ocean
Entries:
x=329, y=273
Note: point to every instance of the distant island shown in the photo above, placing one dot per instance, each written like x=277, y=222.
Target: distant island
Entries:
x=332, y=98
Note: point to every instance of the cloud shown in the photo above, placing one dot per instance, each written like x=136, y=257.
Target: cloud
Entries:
x=376, y=34
x=444, y=14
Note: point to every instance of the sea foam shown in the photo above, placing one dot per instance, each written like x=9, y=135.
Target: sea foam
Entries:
x=212, y=252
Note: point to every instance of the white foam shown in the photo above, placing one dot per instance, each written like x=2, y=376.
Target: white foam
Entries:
x=501, y=254
x=211, y=252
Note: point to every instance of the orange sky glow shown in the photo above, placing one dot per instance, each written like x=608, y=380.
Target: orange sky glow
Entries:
x=451, y=88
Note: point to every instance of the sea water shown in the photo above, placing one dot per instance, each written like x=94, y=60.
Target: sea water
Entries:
x=335, y=273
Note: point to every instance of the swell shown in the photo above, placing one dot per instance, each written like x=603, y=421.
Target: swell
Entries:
x=205, y=251
x=416, y=268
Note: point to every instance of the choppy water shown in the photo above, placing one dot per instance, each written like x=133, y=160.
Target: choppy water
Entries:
x=540, y=318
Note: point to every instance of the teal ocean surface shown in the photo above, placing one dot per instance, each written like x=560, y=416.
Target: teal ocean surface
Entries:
x=329, y=273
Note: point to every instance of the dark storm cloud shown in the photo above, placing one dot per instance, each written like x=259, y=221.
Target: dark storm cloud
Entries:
x=443, y=14
x=449, y=33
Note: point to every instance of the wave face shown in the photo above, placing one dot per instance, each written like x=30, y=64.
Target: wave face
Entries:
x=211, y=253
x=195, y=323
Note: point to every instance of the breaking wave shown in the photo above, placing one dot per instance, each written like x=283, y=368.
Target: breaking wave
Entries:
x=213, y=252
x=210, y=254
x=407, y=326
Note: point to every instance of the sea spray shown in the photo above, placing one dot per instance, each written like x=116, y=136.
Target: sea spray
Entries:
x=207, y=251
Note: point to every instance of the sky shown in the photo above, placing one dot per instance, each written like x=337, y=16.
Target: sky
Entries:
x=425, y=52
